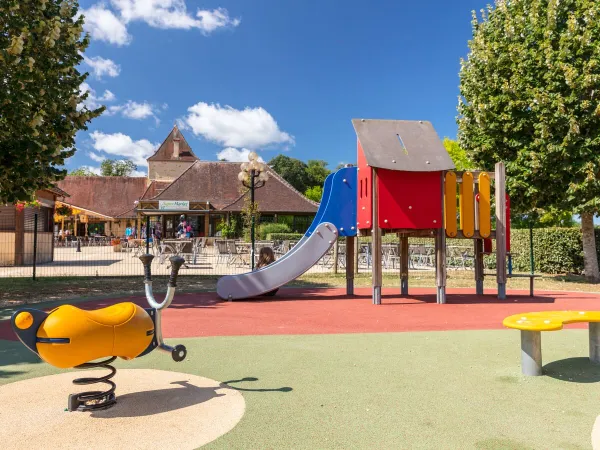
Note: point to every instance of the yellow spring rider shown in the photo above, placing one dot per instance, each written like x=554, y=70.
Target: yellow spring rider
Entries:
x=71, y=337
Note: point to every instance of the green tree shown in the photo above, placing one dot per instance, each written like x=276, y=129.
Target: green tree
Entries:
x=117, y=168
x=82, y=172
x=530, y=96
x=458, y=155
x=543, y=219
x=317, y=171
x=342, y=165
x=314, y=193
x=291, y=170
x=41, y=45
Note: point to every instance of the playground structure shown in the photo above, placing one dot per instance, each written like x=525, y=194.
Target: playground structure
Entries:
x=405, y=184
x=69, y=337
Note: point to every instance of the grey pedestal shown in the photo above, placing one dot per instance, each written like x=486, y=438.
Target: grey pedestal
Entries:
x=595, y=342
x=531, y=353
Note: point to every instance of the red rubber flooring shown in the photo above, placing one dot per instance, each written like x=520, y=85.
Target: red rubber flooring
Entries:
x=326, y=311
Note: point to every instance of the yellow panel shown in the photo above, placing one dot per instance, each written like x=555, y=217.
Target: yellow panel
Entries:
x=123, y=330
x=467, y=207
x=450, y=204
x=549, y=320
x=485, y=221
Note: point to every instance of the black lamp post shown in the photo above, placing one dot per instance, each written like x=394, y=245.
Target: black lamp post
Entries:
x=253, y=176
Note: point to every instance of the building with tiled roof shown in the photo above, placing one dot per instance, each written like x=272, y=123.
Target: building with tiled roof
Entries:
x=179, y=182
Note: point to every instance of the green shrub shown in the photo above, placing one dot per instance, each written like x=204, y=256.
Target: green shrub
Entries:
x=271, y=228
x=284, y=236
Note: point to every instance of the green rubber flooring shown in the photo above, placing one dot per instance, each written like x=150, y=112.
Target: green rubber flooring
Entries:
x=425, y=390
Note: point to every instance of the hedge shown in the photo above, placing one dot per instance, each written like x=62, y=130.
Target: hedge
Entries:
x=284, y=236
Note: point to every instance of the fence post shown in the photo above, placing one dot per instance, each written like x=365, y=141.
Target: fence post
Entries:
x=35, y=230
x=335, y=256
x=147, y=234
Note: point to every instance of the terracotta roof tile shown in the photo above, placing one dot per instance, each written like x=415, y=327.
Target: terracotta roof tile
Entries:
x=216, y=182
x=110, y=196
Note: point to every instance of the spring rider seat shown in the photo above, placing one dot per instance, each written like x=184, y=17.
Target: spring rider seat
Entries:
x=69, y=337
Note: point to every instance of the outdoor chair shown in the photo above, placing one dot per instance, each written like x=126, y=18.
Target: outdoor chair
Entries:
x=198, y=248
x=234, y=256
x=222, y=251
x=364, y=255
x=390, y=255
x=342, y=255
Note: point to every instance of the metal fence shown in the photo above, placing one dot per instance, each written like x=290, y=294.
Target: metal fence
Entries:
x=35, y=251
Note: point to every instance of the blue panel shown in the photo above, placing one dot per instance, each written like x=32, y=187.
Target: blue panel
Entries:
x=322, y=206
x=340, y=206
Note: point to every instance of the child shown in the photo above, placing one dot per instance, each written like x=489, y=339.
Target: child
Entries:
x=266, y=257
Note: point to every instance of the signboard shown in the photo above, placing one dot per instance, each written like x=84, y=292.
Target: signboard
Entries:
x=173, y=205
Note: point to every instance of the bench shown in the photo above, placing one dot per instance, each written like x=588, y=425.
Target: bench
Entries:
x=531, y=277
x=532, y=324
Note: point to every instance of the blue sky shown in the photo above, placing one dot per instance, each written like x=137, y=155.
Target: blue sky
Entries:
x=270, y=75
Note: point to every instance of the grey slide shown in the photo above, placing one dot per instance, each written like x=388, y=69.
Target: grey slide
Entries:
x=305, y=254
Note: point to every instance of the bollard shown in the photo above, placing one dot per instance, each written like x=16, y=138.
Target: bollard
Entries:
x=78, y=245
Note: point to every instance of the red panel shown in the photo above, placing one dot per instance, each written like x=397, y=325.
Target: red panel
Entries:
x=410, y=199
x=365, y=202
x=487, y=245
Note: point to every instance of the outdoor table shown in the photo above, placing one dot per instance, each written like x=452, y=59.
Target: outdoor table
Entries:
x=177, y=245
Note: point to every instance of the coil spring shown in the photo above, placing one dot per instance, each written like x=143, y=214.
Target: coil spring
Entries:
x=94, y=400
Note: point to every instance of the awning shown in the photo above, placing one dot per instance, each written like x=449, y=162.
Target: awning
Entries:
x=77, y=210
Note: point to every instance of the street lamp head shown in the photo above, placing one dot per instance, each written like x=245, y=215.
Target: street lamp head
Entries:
x=244, y=166
x=242, y=176
x=263, y=176
x=252, y=156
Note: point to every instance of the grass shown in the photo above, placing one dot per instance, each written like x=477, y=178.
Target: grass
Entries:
x=456, y=389
x=19, y=291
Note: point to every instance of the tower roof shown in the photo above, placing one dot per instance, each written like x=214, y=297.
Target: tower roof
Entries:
x=409, y=145
x=166, y=150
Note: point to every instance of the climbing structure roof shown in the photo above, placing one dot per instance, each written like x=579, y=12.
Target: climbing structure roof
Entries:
x=409, y=145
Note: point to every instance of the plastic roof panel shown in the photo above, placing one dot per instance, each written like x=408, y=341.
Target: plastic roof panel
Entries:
x=409, y=145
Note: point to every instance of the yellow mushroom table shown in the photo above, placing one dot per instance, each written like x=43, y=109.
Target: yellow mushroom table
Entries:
x=532, y=324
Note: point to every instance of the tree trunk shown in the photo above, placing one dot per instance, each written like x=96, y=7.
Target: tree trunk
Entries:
x=590, y=258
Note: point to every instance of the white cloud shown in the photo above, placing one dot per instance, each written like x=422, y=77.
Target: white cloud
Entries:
x=93, y=101
x=96, y=157
x=173, y=14
x=139, y=173
x=95, y=170
x=251, y=128
x=122, y=145
x=104, y=25
x=217, y=18
x=236, y=155
x=135, y=110
x=102, y=66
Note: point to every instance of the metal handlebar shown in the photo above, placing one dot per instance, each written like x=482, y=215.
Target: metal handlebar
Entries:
x=176, y=263
x=179, y=352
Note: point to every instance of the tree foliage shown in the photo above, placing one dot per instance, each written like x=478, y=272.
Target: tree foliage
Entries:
x=41, y=44
x=458, y=155
x=531, y=97
x=314, y=193
x=291, y=170
x=82, y=172
x=317, y=171
x=117, y=168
